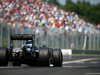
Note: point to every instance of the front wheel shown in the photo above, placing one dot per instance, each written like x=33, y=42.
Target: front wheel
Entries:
x=57, y=58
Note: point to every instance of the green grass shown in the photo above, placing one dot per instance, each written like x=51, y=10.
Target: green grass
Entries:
x=85, y=54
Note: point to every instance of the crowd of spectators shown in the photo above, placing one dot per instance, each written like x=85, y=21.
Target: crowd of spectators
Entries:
x=37, y=14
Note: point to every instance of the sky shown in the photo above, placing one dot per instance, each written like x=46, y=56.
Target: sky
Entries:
x=91, y=1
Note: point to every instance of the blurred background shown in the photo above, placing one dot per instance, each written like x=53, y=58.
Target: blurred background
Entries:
x=64, y=24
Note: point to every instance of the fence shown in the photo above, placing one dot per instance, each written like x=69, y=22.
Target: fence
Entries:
x=81, y=40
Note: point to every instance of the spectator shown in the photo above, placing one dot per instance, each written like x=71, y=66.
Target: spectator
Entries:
x=98, y=26
x=0, y=2
x=30, y=12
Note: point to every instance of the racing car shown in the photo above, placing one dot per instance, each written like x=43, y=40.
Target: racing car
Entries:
x=29, y=53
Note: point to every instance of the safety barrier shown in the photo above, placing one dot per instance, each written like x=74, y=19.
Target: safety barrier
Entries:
x=52, y=39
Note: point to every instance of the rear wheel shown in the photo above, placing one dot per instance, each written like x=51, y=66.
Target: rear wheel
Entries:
x=3, y=56
x=57, y=58
x=44, y=57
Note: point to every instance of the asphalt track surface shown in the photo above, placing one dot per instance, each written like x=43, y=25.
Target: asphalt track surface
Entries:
x=72, y=65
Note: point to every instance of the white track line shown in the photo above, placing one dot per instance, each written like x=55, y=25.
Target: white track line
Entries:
x=82, y=60
x=92, y=73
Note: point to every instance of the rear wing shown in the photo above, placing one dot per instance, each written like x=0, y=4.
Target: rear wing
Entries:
x=22, y=37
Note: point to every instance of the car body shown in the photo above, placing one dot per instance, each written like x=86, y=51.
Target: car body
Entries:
x=29, y=53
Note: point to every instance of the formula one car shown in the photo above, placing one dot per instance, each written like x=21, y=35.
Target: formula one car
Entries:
x=29, y=53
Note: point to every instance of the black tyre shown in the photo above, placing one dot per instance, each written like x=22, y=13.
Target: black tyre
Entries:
x=16, y=63
x=3, y=56
x=57, y=58
x=44, y=57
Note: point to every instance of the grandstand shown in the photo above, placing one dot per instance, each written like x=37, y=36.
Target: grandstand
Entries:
x=31, y=14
